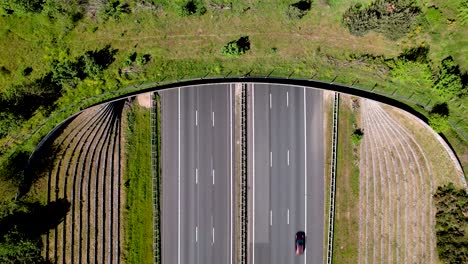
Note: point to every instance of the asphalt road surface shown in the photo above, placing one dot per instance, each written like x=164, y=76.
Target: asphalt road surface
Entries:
x=197, y=165
x=286, y=161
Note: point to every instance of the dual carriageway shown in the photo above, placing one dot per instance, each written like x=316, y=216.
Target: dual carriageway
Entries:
x=285, y=150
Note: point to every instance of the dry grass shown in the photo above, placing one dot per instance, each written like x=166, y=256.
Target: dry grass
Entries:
x=398, y=175
x=78, y=177
x=443, y=167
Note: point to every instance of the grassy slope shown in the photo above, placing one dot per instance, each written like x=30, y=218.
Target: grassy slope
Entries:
x=346, y=240
x=138, y=213
x=317, y=45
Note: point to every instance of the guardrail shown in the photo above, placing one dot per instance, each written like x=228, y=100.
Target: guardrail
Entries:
x=244, y=187
x=155, y=172
x=332, y=179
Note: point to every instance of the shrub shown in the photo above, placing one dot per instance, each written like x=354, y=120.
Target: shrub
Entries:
x=64, y=73
x=463, y=13
x=236, y=48
x=4, y=71
x=298, y=10
x=452, y=224
x=357, y=136
x=21, y=6
x=8, y=122
x=438, y=117
x=393, y=18
x=193, y=7
x=142, y=60
x=433, y=15
x=449, y=80
x=114, y=9
x=27, y=71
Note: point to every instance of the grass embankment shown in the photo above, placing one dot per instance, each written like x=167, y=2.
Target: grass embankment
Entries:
x=138, y=208
x=346, y=234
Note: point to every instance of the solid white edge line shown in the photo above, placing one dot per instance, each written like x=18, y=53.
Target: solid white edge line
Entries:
x=305, y=169
x=178, y=220
x=288, y=216
x=196, y=175
x=287, y=99
x=213, y=117
x=271, y=159
x=288, y=157
x=213, y=173
x=196, y=234
x=196, y=117
x=271, y=218
x=230, y=189
x=253, y=173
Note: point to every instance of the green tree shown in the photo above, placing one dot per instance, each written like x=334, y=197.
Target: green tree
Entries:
x=65, y=73
x=89, y=67
x=449, y=81
x=16, y=248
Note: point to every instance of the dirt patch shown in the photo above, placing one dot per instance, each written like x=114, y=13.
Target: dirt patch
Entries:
x=144, y=100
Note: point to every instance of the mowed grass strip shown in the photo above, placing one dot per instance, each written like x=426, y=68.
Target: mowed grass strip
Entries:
x=138, y=223
x=346, y=227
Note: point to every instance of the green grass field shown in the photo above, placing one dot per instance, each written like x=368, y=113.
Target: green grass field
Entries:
x=317, y=45
x=346, y=228
x=138, y=207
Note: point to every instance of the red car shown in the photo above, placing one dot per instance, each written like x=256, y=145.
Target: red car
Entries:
x=300, y=242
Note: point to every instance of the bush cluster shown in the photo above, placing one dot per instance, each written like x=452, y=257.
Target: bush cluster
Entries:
x=449, y=82
x=114, y=9
x=298, y=10
x=236, y=48
x=357, y=136
x=393, y=18
x=19, y=102
x=452, y=224
x=193, y=7
x=22, y=224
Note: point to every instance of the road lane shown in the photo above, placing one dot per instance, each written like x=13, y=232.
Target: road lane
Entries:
x=205, y=147
x=221, y=165
x=315, y=172
x=286, y=117
x=188, y=165
x=169, y=225
x=260, y=175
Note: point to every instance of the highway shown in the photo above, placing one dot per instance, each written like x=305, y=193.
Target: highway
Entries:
x=286, y=160
x=197, y=171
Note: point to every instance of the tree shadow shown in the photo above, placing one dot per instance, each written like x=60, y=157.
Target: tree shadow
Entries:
x=35, y=219
x=103, y=57
x=14, y=166
x=418, y=54
x=441, y=109
x=303, y=5
x=41, y=159
x=243, y=43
